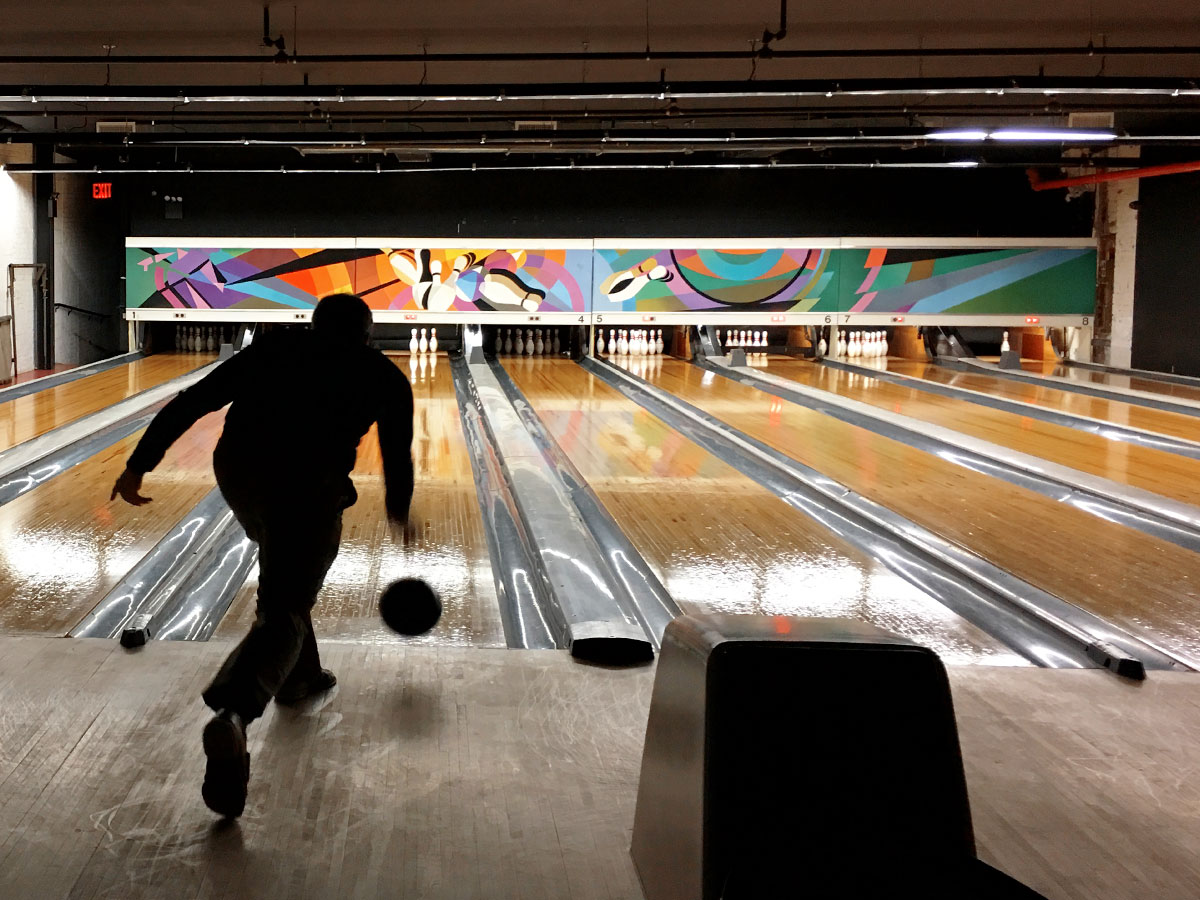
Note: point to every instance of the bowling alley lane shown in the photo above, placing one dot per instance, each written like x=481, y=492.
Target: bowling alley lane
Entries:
x=1051, y=397
x=27, y=417
x=1168, y=474
x=449, y=549
x=718, y=541
x=1096, y=378
x=1118, y=573
x=64, y=544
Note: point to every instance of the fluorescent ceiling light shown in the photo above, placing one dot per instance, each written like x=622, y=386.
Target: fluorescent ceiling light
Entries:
x=962, y=135
x=963, y=163
x=1017, y=134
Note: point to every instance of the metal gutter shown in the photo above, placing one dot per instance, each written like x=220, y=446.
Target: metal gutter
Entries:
x=524, y=606
x=1110, y=430
x=1122, y=395
x=1040, y=626
x=200, y=596
x=25, y=388
x=176, y=552
x=627, y=569
x=1160, y=517
x=595, y=624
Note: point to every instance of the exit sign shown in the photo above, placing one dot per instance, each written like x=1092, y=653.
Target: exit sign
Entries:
x=102, y=190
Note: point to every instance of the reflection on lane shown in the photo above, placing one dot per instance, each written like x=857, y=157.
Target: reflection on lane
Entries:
x=718, y=541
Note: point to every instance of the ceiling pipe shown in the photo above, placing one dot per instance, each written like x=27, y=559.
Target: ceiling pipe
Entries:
x=1058, y=89
x=1036, y=182
x=609, y=56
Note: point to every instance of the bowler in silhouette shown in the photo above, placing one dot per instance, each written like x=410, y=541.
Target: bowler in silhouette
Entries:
x=299, y=402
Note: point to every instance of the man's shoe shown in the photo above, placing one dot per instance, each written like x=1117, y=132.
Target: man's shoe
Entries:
x=227, y=773
x=324, y=681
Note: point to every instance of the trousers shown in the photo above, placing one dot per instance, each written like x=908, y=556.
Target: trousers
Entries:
x=297, y=524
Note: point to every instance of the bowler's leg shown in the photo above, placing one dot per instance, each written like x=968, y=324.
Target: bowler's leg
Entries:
x=295, y=554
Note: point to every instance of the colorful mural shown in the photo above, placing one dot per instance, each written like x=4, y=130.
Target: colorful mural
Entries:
x=1004, y=281
x=694, y=280
x=956, y=282
x=441, y=280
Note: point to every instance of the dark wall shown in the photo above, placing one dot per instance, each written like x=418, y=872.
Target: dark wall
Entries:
x=1166, y=300
x=735, y=203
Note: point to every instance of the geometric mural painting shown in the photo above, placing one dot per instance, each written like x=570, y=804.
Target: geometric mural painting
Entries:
x=935, y=281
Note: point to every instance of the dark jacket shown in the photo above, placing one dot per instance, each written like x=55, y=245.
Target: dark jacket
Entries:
x=300, y=405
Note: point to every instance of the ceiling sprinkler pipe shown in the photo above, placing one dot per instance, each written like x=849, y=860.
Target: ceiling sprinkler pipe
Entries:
x=1037, y=184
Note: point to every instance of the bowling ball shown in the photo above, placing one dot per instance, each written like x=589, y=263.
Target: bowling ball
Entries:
x=409, y=606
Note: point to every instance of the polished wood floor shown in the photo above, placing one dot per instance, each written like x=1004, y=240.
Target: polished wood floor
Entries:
x=1168, y=474
x=467, y=774
x=449, y=550
x=1116, y=572
x=1174, y=424
x=27, y=417
x=717, y=540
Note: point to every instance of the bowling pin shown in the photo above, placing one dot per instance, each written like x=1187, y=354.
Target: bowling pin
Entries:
x=423, y=344
x=540, y=346
x=612, y=341
x=1004, y=348
x=412, y=342
x=520, y=345
x=508, y=344
x=557, y=345
x=822, y=346
x=883, y=348
x=600, y=342
x=211, y=343
x=622, y=344
x=659, y=343
x=433, y=342
x=529, y=342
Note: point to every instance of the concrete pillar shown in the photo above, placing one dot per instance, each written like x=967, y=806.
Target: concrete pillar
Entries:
x=1123, y=222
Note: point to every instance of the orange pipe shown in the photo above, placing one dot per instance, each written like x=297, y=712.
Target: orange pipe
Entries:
x=1037, y=184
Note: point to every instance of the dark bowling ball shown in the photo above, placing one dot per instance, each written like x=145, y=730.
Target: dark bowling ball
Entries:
x=409, y=606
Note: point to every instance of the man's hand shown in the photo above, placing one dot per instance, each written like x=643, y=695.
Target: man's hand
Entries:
x=128, y=486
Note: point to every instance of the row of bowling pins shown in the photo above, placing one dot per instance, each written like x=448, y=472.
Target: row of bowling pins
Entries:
x=867, y=344
x=424, y=345
x=641, y=342
x=745, y=339
x=529, y=342
x=199, y=337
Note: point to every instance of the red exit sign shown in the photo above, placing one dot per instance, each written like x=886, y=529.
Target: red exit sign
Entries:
x=102, y=190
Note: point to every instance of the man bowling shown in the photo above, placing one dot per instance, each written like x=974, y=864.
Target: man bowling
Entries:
x=301, y=401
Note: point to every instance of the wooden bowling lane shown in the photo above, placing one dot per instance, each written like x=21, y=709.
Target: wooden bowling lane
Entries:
x=718, y=541
x=1152, y=470
x=450, y=550
x=1051, y=397
x=1081, y=375
x=64, y=544
x=1118, y=573
x=27, y=417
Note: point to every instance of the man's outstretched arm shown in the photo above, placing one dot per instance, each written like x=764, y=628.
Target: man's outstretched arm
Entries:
x=215, y=390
